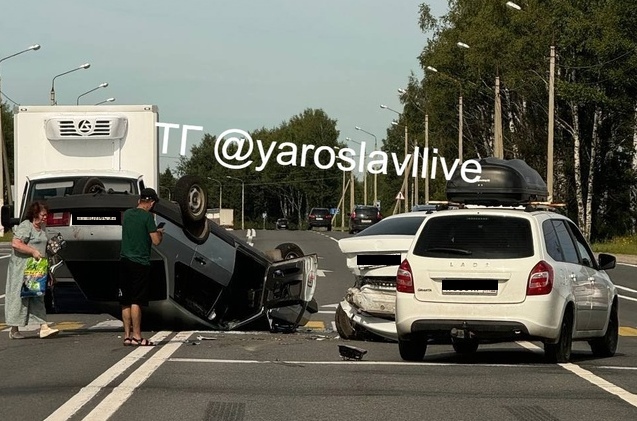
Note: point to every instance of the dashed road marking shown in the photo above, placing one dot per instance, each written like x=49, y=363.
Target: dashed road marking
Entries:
x=627, y=331
x=315, y=324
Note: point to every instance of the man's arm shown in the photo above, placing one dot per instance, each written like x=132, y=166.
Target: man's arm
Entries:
x=157, y=236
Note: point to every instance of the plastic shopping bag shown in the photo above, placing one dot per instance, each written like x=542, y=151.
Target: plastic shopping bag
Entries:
x=35, y=278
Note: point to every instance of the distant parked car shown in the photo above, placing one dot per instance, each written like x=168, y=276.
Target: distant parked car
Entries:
x=282, y=224
x=363, y=217
x=320, y=217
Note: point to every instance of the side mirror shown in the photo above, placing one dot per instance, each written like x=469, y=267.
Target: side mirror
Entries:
x=607, y=261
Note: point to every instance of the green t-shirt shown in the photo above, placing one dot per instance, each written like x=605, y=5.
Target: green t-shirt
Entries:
x=137, y=224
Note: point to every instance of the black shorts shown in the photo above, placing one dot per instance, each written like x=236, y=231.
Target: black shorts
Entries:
x=134, y=282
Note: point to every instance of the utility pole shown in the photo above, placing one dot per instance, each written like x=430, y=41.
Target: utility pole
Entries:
x=427, y=149
x=460, y=128
x=551, y=124
x=498, y=147
x=351, y=191
x=406, y=189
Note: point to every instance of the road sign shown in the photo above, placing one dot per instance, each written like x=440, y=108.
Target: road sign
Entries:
x=400, y=196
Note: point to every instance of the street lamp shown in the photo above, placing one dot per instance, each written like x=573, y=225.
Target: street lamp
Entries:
x=242, y=200
x=3, y=150
x=433, y=69
x=101, y=85
x=406, y=183
x=375, y=175
x=404, y=92
x=551, y=116
x=220, y=192
x=106, y=100
x=83, y=66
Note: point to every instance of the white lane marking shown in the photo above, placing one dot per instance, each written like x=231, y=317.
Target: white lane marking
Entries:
x=530, y=346
x=2, y=296
x=111, y=403
x=610, y=367
x=326, y=312
x=627, y=298
x=601, y=383
x=590, y=377
x=331, y=305
x=628, y=264
x=107, y=324
x=626, y=289
x=343, y=362
x=81, y=398
x=322, y=272
x=5, y=257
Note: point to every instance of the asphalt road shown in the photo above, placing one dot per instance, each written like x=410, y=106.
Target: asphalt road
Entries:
x=85, y=373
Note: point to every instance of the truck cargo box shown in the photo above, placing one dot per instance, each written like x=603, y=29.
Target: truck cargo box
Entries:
x=502, y=183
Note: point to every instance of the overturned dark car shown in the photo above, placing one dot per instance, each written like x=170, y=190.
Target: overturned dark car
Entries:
x=202, y=275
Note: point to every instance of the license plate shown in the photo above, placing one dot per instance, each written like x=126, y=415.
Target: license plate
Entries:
x=319, y=219
x=366, y=221
x=470, y=286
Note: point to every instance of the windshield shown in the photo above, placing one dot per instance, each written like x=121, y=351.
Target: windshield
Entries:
x=394, y=226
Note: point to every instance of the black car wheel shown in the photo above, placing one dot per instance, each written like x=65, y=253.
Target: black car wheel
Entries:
x=560, y=352
x=190, y=195
x=465, y=346
x=289, y=251
x=412, y=350
x=198, y=232
x=606, y=346
x=344, y=326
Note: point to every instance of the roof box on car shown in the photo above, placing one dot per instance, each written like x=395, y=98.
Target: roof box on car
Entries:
x=502, y=183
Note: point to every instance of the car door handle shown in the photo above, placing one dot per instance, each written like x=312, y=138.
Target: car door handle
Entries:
x=200, y=260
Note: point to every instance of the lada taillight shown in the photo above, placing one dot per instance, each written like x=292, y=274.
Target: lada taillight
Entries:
x=540, y=279
x=58, y=219
x=404, y=278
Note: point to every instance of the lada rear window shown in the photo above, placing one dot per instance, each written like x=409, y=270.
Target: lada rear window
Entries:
x=476, y=237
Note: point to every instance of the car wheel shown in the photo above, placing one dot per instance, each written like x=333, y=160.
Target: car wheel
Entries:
x=344, y=326
x=465, y=346
x=607, y=344
x=197, y=232
x=412, y=350
x=560, y=352
x=289, y=251
x=87, y=185
x=329, y=228
x=190, y=195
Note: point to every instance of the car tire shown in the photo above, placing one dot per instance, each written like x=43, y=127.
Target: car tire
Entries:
x=329, y=228
x=465, y=346
x=191, y=197
x=606, y=346
x=88, y=185
x=560, y=352
x=344, y=326
x=412, y=350
x=198, y=232
x=290, y=251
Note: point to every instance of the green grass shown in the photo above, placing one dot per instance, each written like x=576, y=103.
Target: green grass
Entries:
x=618, y=245
x=7, y=237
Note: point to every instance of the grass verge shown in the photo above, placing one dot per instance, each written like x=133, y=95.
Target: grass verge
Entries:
x=618, y=245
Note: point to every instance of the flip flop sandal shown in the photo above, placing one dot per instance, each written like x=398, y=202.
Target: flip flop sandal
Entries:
x=128, y=342
x=141, y=342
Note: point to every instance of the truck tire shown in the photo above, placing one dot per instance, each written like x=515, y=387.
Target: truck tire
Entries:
x=191, y=197
x=289, y=251
x=88, y=185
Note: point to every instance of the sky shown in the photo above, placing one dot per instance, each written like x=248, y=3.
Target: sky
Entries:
x=240, y=64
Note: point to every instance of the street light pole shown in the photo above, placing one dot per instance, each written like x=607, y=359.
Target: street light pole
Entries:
x=106, y=100
x=101, y=85
x=242, y=201
x=433, y=69
x=220, y=193
x=375, y=175
x=83, y=66
x=4, y=161
x=405, y=92
x=406, y=190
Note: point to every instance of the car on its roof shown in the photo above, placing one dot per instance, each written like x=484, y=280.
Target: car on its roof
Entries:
x=513, y=268
x=373, y=257
x=202, y=275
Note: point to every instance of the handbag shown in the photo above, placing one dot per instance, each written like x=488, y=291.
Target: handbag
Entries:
x=35, y=278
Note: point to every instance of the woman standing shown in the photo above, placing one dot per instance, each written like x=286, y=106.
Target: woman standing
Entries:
x=29, y=240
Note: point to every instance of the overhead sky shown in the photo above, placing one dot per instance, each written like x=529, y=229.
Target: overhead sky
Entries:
x=241, y=64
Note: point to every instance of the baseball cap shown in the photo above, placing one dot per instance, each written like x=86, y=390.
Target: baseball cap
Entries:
x=149, y=194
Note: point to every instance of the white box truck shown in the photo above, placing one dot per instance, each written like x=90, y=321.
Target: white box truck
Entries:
x=61, y=150
x=66, y=150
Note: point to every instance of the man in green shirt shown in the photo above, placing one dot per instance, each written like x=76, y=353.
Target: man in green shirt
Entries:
x=139, y=232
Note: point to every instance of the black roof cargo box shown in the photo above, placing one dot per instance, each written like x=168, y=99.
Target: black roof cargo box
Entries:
x=502, y=183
